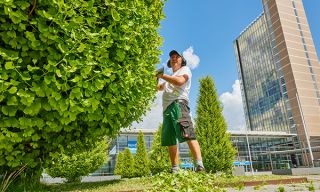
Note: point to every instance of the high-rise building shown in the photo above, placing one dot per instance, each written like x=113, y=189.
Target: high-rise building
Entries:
x=280, y=75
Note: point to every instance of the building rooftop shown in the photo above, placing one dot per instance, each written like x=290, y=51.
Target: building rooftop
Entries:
x=245, y=29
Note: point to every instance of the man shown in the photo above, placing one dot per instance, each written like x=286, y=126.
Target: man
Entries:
x=177, y=122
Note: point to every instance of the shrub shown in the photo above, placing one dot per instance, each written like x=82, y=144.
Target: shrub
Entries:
x=127, y=171
x=72, y=71
x=119, y=164
x=77, y=162
x=159, y=156
x=141, y=164
x=211, y=128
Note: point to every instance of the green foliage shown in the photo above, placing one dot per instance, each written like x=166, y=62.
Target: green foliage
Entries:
x=141, y=163
x=257, y=187
x=72, y=71
x=128, y=170
x=216, y=147
x=240, y=187
x=185, y=181
x=311, y=186
x=77, y=162
x=281, y=189
x=7, y=179
x=159, y=156
x=119, y=164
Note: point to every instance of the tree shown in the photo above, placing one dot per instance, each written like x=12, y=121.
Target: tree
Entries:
x=159, y=156
x=127, y=171
x=216, y=147
x=72, y=71
x=77, y=162
x=119, y=164
x=141, y=164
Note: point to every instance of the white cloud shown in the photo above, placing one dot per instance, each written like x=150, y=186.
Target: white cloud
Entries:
x=233, y=108
x=193, y=60
x=153, y=118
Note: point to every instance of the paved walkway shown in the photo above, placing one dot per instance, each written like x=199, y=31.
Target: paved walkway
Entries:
x=313, y=185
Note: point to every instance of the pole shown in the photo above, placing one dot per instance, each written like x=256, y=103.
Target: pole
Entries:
x=305, y=129
x=250, y=159
x=270, y=159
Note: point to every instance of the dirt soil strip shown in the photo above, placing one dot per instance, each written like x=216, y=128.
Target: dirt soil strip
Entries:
x=253, y=183
x=276, y=181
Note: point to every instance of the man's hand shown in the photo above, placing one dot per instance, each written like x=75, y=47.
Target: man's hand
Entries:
x=160, y=87
x=160, y=71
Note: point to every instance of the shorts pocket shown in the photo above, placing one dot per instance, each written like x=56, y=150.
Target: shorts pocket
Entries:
x=185, y=129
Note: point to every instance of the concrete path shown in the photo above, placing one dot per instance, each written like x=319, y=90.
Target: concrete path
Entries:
x=298, y=187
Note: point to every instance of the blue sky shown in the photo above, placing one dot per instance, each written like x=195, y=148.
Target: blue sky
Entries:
x=210, y=27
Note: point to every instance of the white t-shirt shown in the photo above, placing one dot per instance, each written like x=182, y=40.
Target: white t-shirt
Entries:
x=172, y=92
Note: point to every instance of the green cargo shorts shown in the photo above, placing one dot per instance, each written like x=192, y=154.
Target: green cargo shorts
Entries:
x=177, y=124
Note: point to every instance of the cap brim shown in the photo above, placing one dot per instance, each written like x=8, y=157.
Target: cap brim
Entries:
x=174, y=52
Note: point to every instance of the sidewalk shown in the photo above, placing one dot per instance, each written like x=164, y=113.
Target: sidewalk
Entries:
x=296, y=187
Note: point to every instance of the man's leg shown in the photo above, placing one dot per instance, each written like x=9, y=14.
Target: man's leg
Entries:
x=196, y=153
x=174, y=157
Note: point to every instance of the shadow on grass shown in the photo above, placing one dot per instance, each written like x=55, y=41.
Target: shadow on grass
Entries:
x=61, y=186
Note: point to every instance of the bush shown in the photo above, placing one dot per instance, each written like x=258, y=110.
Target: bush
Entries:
x=141, y=164
x=159, y=156
x=211, y=128
x=119, y=164
x=72, y=71
x=79, y=162
x=127, y=170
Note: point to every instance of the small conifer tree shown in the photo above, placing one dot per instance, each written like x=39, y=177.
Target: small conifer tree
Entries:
x=119, y=164
x=141, y=164
x=159, y=156
x=127, y=169
x=217, y=150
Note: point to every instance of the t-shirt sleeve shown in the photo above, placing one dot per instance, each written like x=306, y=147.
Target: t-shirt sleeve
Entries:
x=185, y=70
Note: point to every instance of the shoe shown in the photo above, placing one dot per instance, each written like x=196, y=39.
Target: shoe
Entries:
x=175, y=170
x=200, y=169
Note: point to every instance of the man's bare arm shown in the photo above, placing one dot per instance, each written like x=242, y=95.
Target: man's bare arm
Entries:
x=175, y=80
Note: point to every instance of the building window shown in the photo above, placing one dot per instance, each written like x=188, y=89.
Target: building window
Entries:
x=293, y=4
x=311, y=70
x=309, y=62
x=307, y=55
x=305, y=47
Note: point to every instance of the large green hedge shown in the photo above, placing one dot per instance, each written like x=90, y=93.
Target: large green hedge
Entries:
x=72, y=70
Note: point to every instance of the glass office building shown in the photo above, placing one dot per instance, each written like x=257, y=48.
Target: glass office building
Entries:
x=265, y=150
x=280, y=75
x=128, y=139
x=261, y=92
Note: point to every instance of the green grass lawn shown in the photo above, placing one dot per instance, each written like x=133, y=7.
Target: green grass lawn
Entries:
x=183, y=181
